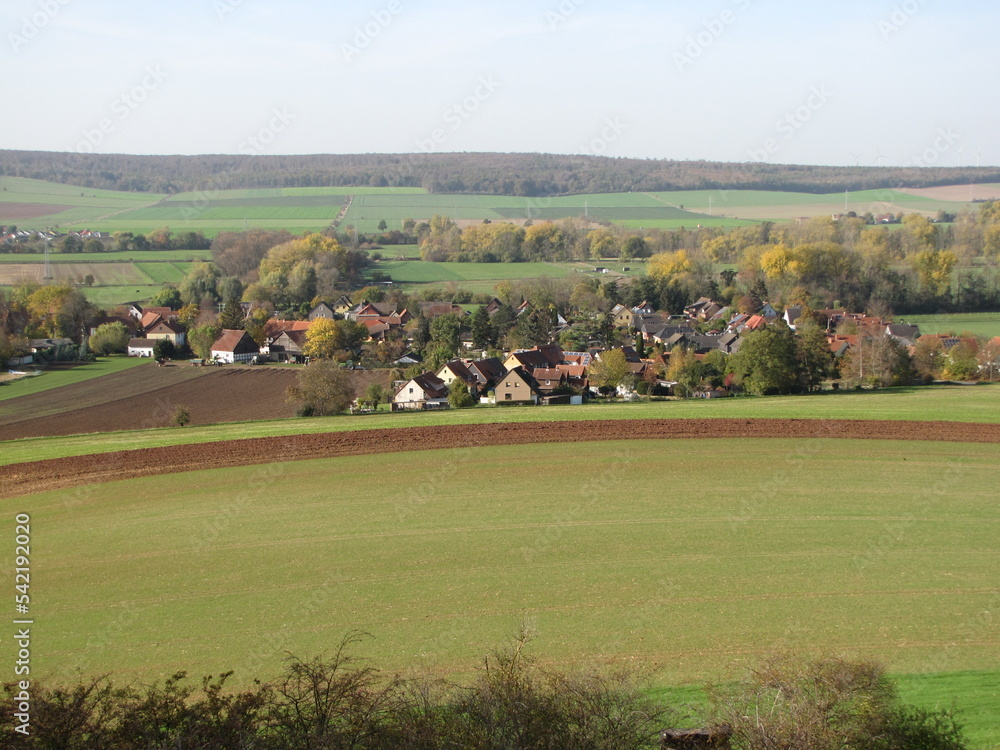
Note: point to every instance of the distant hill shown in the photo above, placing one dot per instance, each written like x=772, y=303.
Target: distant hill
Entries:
x=490, y=174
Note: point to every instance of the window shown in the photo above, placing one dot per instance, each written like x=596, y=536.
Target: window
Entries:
x=508, y=397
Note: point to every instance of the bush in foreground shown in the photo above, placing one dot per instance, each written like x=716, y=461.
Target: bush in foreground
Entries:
x=337, y=702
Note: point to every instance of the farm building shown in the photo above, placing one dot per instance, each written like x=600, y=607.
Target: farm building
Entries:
x=234, y=346
x=287, y=346
x=141, y=347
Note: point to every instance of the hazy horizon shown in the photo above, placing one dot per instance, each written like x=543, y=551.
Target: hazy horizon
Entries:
x=893, y=84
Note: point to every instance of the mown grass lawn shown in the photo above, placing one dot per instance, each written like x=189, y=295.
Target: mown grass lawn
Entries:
x=689, y=558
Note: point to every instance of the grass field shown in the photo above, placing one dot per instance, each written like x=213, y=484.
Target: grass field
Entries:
x=937, y=403
x=56, y=376
x=978, y=324
x=689, y=557
x=36, y=204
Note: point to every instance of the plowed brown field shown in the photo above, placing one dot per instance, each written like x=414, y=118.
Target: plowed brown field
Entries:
x=39, y=476
x=146, y=397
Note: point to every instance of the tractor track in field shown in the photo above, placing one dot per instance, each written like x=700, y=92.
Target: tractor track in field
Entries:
x=61, y=473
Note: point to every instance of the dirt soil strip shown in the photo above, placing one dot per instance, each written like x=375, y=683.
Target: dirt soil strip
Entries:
x=60, y=473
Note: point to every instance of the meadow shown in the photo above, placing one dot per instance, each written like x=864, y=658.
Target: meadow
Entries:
x=978, y=324
x=689, y=558
x=935, y=403
x=37, y=204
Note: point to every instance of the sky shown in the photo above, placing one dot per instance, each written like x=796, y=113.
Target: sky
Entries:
x=879, y=82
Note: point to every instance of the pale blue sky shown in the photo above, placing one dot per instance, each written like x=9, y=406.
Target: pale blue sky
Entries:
x=912, y=81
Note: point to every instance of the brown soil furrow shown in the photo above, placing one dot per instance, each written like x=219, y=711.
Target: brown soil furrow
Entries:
x=60, y=473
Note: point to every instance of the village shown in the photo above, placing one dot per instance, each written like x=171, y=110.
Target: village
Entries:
x=705, y=336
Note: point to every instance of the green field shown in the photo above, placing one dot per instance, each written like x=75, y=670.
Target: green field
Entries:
x=978, y=324
x=66, y=374
x=689, y=557
x=420, y=272
x=314, y=209
x=937, y=403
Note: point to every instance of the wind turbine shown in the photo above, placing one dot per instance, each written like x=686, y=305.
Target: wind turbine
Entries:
x=879, y=156
x=857, y=157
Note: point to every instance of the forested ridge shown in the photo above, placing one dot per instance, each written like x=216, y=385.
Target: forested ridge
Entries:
x=477, y=173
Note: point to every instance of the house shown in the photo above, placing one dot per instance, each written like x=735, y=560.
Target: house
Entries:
x=516, y=387
x=549, y=355
x=410, y=358
x=234, y=345
x=493, y=306
x=125, y=320
x=644, y=308
x=426, y=391
x=41, y=346
x=343, y=305
x=434, y=310
x=322, y=310
x=487, y=372
x=905, y=334
x=458, y=370
x=622, y=317
x=141, y=347
x=792, y=314
x=168, y=330
x=767, y=311
x=288, y=346
x=548, y=380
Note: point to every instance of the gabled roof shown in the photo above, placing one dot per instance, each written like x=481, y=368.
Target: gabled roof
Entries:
x=141, y=343
x=166, y=326
x=487, y=370
x=432, y=386
x=461, y=371
x=232, y=340
x=296, y=337
x=903, y=331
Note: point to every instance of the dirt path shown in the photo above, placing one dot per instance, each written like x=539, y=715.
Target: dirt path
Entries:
x=39, y=476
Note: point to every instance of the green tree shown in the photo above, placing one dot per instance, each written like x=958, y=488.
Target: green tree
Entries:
x=109, y=338
x=323, y=388
x=961, y=362
x=382, y=226
x=766, y=362
x=610, y=369
x=232, y=315
x=877, y=360
x=181, y=416
x=459, y=396
x=815, y=360
x=375, y=394
x=201, y=338
x=200, y=282
x=446, y=331
x=164, y=349
x=533, y=328
x=167, y=297
x=483, y=333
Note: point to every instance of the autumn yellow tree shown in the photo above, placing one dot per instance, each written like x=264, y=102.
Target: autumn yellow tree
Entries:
x=324, y=339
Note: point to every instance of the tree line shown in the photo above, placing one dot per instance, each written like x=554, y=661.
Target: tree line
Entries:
x=512, y=703
x=490, y=174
